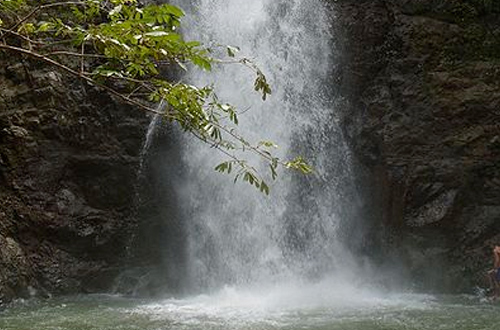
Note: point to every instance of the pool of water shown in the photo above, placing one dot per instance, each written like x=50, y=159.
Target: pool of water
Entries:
x=240, y=309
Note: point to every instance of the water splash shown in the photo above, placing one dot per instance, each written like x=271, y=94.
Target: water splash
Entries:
x=286, y=306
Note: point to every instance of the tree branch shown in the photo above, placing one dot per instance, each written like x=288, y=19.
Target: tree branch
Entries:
x=81, y=76
x=63, y=52
x=21, y=36
x=41, y=7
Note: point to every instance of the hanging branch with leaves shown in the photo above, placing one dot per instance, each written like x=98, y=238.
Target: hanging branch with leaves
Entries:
x=121, y=46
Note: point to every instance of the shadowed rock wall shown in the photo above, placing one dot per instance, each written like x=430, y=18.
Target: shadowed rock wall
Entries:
x=421, y=82
x=68, y=161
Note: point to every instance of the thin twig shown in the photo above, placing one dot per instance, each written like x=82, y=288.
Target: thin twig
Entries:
x=41, y=7
x=135, y=90
x=235, y=159
x=80, y=75
x=56, y=43
x=82, y=60
x=21, y=36
x=63, y=52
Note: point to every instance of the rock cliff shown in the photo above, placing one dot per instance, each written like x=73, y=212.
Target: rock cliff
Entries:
x=68, y=162
x=421, y=83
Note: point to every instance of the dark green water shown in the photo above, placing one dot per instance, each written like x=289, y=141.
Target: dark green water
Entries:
x=238, y=310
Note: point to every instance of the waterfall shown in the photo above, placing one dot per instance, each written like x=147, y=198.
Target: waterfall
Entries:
x=235, y=235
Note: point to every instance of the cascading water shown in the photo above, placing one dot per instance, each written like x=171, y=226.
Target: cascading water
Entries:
x=250, y=261
x=236, y=236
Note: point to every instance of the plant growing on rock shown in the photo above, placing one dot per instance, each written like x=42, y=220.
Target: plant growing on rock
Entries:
x=121, y=46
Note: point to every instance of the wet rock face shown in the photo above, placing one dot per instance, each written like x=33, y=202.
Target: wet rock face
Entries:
x=68, y=162
x=424, y=114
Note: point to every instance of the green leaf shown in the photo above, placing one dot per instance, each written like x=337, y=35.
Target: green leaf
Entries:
x=45, y=26
x=264, y=188
x=274, y=174
x=176, y=11
x=192, y=44
x=221, y=167
x=157, y=33
x=231, y=51
x=268, y=144
x=202, y=62
x=300, y=165
x=26, y=28
x=115, y=11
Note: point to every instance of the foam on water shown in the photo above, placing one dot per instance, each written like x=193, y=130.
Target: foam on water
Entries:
x=291, y=304
x=287, y=308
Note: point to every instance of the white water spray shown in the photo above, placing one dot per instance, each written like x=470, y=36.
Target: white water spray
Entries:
x=236, y=236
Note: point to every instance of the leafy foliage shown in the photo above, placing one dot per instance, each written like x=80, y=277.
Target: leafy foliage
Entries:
x=122, y=46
